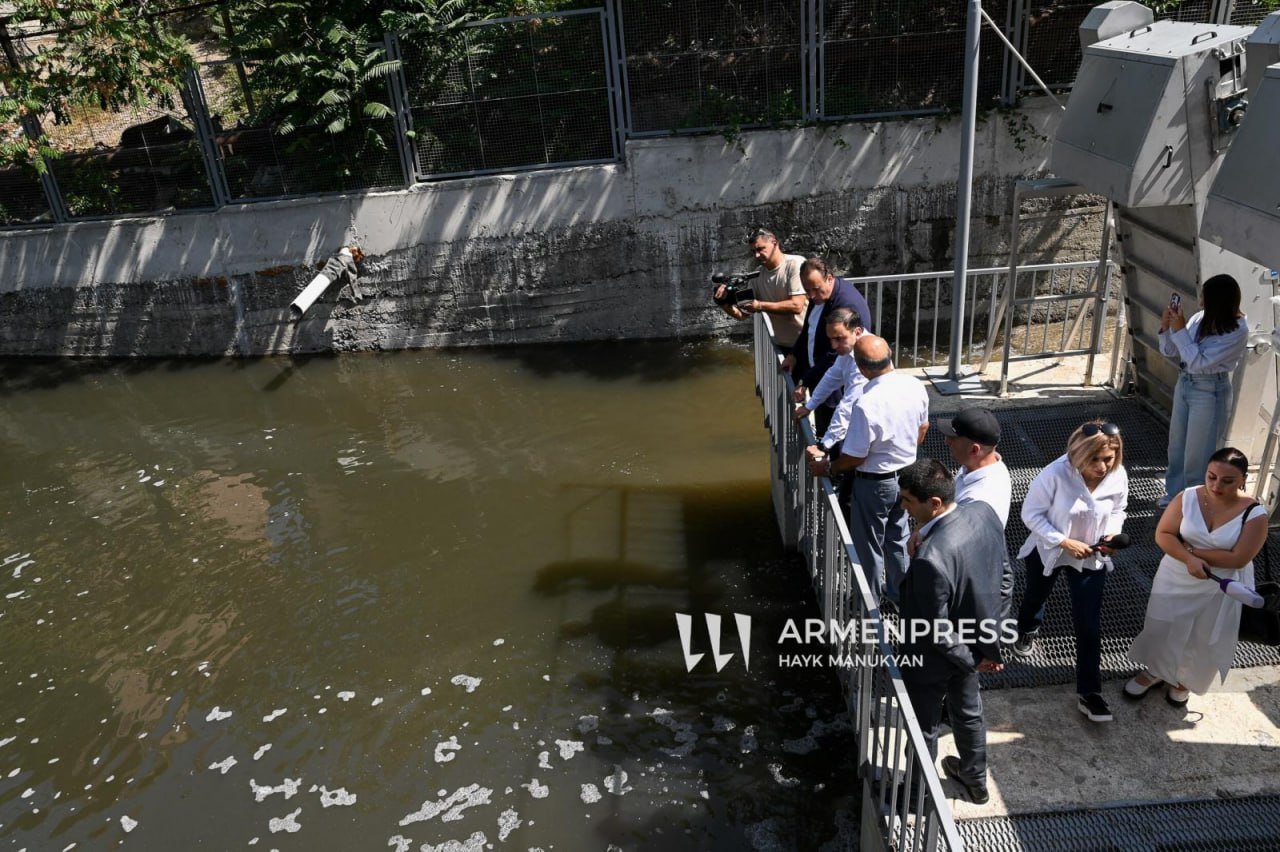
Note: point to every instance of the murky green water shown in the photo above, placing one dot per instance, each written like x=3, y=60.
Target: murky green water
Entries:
x=392, y=601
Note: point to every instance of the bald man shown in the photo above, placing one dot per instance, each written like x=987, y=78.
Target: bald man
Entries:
x=886, y=427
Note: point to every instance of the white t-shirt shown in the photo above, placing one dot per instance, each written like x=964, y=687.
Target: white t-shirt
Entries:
x=779, y=285
x=884, y=426
x=990, y=485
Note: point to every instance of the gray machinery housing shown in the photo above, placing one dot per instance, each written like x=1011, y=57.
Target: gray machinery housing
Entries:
x=1153, y=111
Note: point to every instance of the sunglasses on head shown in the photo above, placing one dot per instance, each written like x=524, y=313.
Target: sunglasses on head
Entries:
x=1111, y=430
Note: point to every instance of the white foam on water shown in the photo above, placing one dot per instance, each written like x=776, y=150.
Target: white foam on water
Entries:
x=346, y=695
x=508, y=821
x=617, y=782
x=28, y=793
x=748, y=742
x=467, y=681
x=289, y=787
x=4, y=742
x=764, y=836
x=288, y=824
x=336, y=798
x=497, y=642
x=590, y=794
x=587, y=724
x=538, y=791
x=444, y=750
x=222, y=765
x=253, y=841
x=400, y=842
x=17, y=572
x=475, y=843
x=275, y=714
x=257, y=755
x=450, y=808
x=217, y=714
x=568, y=748
x=426, y=690
x=683, y=731
x=128, y=824
x=723, y=725
x=375, y=702
x=804, y=745
x=775, y=769
x=544, y=760
x=603, y=740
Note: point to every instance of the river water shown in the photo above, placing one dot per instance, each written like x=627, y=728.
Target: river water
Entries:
x=419, y=600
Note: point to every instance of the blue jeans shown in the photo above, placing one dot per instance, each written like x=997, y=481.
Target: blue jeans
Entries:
x=1086, y=615
x=1196, y=428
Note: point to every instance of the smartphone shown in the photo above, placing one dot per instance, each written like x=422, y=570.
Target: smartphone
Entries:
x=1175, y=301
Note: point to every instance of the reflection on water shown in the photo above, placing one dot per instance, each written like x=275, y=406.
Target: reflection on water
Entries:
x=411, y=601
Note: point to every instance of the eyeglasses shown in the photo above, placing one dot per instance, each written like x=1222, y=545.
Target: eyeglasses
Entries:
x=1111, y=430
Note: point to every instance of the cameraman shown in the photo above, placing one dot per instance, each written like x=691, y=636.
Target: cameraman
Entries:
x=813, y=353
x=778, y=289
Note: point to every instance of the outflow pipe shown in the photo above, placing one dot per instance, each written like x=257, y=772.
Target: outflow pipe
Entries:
x=339, y=266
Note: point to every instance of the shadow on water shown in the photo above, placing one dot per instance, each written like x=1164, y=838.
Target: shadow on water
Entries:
x=647, y=361
x=771, y=746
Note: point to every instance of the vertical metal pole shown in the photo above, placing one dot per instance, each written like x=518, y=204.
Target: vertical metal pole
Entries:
x=1010, y=300
x=611, y=22
x=1104, y=293
x=398, y=88
x=198, y=108
x=964, y=186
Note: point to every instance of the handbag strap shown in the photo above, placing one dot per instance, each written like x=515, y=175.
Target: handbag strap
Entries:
x=1266, y=560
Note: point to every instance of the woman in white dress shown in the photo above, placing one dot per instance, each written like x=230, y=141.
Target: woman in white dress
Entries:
x=1191, y=626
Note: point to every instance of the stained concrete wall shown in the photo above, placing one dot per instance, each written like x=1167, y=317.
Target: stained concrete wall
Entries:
x=616, y=251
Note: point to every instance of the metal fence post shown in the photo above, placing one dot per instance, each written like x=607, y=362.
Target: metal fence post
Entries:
x=964, y=186
x=811, y=81
x=398, y=87
x=198, y=108
x=618, y=42
x=615, y=64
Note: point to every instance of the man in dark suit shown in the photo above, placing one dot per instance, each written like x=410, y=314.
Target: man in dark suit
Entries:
x=954, y=579
x=813, y=354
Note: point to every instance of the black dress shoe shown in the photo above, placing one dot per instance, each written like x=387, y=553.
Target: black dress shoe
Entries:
x=977, y=791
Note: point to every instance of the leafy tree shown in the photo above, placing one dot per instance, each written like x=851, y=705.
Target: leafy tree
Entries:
x=110, y=53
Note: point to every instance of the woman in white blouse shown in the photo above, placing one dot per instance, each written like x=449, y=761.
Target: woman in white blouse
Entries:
x=1207, y=348
x=1073, y=508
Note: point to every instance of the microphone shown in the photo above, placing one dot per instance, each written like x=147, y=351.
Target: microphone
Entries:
x=1119, y=541
x=1238, y=591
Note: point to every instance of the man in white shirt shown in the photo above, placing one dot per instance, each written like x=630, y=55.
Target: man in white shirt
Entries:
x=778, y=289
x=972, y=436
x=886, y=426
x=844, y=327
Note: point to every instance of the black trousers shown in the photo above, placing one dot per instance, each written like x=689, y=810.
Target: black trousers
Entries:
x=927, y=686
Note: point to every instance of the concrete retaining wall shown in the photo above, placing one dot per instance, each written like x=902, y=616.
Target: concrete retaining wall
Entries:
x=576, y=254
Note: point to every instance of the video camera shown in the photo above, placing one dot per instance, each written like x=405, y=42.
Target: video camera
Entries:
x=736, y=290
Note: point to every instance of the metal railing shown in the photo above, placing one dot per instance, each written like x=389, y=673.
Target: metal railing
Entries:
x=904, y=806
x=918, y=315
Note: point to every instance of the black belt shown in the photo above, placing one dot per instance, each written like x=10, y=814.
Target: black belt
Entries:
x=860, y=474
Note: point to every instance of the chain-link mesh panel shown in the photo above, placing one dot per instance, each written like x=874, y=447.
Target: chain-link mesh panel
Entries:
x=141, y=160
x=900, y=56
x=532, y=92
x=1249, y=13
x=261, y=162
x=1053, y=40
x=696, y=64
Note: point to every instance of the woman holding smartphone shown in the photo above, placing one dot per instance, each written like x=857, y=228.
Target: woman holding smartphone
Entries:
x=1208, y=347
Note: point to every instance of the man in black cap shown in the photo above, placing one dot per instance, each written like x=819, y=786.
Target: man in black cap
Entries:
x=972, y=436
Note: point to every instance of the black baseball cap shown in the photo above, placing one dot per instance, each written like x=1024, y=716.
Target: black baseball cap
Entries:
x=977, y=424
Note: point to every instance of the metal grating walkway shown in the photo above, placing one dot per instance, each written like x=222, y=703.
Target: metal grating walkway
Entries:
x=1213, y=825
x=1034, y=437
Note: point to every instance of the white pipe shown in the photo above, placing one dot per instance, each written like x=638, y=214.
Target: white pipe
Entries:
x=333, y=270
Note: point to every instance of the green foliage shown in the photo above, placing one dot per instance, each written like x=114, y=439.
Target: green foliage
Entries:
x=108, y=54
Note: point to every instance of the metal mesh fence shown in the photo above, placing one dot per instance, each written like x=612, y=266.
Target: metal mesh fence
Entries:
x=521, y=93
x=141, y=160
x=697, y=64
x=900, y=56
x=1249, y=13
x=261, y=162
x=22, y=199
x=1052, y=42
